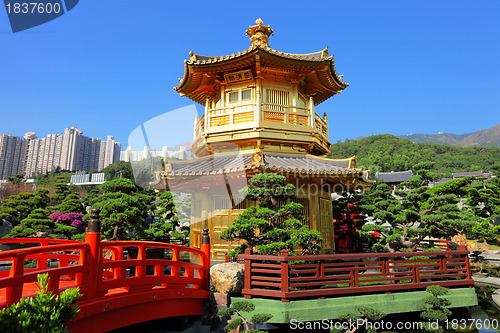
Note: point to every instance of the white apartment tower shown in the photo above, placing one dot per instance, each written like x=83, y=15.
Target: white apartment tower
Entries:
x=110, y=152
x=71, y=151
x=12, y=155
x=72, y=140
x=43, y=155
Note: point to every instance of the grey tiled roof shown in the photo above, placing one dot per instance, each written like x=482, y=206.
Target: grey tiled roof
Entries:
x=306, y=162
x=472, y=173
x=394, y=177
x=441, y=181
x=212, y=164
x=229, y=163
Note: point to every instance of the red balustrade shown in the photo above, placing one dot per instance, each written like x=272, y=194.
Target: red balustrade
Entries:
x=122, y=282
x=315, y=276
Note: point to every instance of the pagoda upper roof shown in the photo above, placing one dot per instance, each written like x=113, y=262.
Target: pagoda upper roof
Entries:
x=316, y=71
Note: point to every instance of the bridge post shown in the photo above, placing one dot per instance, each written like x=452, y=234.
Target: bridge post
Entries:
x=205, y=247
x=93, y=238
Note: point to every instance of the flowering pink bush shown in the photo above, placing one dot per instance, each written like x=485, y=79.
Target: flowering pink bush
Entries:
x=73, y=219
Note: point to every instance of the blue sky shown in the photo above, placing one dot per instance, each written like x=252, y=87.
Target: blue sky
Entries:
x=109, y=66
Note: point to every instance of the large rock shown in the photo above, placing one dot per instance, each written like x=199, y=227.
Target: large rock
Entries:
x=228, y=277
x=5, y=228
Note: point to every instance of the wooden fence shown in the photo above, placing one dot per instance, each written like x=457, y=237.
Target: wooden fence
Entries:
x=316, y=276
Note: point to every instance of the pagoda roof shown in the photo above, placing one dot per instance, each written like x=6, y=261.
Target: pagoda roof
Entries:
x=290, y=164
x=394, y=177
x=315, y=70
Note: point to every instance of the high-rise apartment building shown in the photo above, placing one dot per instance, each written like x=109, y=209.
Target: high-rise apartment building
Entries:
x=70, y=151
x=110, y=152
x=12, y=155
x=72, y=140
x=43, y=155
x=182, y=152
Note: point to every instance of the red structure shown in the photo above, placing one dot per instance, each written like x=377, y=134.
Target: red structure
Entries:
x=286, y=278
x=117, y=291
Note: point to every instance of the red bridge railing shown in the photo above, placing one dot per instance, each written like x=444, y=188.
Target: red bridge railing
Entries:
x=110, y=275
x=316, y=276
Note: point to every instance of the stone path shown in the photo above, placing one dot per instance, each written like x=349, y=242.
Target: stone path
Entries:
x=490, y=282
x=493, y=257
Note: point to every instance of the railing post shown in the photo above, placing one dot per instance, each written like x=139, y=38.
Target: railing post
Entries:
x=284, y=275
x=15, y=292
x=93, y=238
x=467, y=263
x=248, y=273
x=205, y=247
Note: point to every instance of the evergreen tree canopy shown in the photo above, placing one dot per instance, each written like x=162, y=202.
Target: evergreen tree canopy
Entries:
x=123, y=209
x=269, y=227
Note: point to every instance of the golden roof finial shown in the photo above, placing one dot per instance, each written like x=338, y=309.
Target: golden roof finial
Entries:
x=259, y=33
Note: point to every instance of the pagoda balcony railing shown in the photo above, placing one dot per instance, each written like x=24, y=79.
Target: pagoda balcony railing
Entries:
x=198, y=127
x=321, y=125
x=285, y=114
x=270, y=113
x=237, y=114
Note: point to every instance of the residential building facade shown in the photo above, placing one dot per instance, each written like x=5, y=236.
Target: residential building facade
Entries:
x=69, y=151
x=12, y=155
x=180, y=152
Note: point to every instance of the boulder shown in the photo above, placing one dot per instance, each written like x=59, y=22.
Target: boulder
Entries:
x=5, y=228
x=459, y=239
x=472, y=246
x=228, y=277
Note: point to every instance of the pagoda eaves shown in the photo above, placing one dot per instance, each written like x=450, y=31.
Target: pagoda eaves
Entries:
x=315, y=72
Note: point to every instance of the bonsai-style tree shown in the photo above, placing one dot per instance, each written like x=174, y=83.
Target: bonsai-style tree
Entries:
x=70, y=204
x=169, y=226
x=243, y=306
x=366, y=316
x=38, y=224
x=436, y=311
x=123, y=209
x=395, y=223
x=269, y=226
x=403, y=221
x=18, y=207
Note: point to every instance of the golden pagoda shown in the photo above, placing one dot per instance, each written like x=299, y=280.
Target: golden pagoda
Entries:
x=260, y=117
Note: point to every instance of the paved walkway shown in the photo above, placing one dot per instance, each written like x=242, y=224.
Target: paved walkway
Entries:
x=490, y=282
x=492, y=256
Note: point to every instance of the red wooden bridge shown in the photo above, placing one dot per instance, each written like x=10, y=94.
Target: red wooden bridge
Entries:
x=122, y=282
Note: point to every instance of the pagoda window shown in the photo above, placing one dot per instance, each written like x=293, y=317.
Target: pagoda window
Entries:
x=233, y=97
x=277, y=99
x=246, y=95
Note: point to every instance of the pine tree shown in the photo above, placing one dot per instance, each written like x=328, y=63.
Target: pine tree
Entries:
x=123, y=209
x=269, y=227
x=169, y=227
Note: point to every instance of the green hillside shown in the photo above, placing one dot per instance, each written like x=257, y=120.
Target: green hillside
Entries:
x=389, y=153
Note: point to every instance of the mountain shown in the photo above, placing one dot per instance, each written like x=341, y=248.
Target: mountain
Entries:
x=390, y=153
x=487, y=137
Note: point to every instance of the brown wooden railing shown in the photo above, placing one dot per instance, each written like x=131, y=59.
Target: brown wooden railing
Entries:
x=316, y=276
